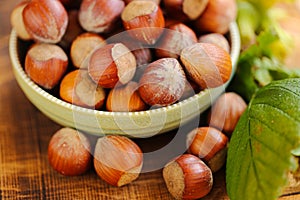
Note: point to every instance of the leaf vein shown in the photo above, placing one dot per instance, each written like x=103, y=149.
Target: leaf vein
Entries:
x=268, y=147
x=276, y=108
x=284, y=88
x=256, y=174
x=282, y=135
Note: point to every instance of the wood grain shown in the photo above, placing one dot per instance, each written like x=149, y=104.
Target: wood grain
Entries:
x=24, y=136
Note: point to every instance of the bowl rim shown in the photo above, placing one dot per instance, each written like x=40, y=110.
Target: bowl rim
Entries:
x=13, y=50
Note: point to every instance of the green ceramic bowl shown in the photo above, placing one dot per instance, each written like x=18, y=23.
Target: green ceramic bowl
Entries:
x=133, y=124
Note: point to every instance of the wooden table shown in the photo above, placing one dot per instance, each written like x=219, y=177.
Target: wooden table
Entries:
x=24, y=136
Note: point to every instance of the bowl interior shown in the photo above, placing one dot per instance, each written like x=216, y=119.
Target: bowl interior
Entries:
x=133, y=124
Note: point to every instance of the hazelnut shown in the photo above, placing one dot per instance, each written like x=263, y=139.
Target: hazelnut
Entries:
x=226, y=112
x=46, y=64
x=77, y=88
x=185, y=9
x=217, y=39
x=217, y=16
x=162, y=83
x=117, y=160
x=188, y=177
x=45, y=21
x=111, y=65
x=100, y=15
x=83, y=46
x=69, y=152
x=145, y=21
x=125, y=99
x=171, y=21
x=173, y=40
x=16, y=20
x=142, y=54
x=206, y=64
x=208, y=144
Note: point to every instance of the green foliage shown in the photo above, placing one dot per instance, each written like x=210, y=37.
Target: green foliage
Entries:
x=260, y=64
x=261, y=147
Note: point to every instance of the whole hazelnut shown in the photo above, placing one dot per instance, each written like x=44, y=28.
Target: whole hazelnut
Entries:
x=142, y=54
x=100, y=15
x=162, y=83
x=174, y=39
x=185, y=10
x=217, y=16
x=117, y=160
x=77, y=88
x=208, y=144
x=69, y=152
x=16, y=20
x=125, y=99
x=82, y=48
x=217, y=39
x=188, y=177
x=144, y=21
x=46, y=64
x=45, y=21
x=226, y=112
x=206, y=64
x=112, y=65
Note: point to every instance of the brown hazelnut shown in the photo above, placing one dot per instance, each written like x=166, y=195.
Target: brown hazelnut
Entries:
x=162, y=83
x=100, y=15
x=185, y=9
x=117, y=160
x=188, y=177
x=171, y=21
x=226, y=112
x=125, y=99
x=144, y=21
x=82, y=48
x=142, y=54
x=45, y=21
x=69, y=152
x=210, y=145
x=217, y=16
x=174, y=39
x=16, y=20
x=46, y=64
x=217, y=39
x=112, y=65
x=206, y=64
x=77, y=88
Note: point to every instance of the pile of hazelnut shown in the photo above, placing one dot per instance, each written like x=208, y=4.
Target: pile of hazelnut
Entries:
x=118, y=160
x=131, y=55
x=126, y=55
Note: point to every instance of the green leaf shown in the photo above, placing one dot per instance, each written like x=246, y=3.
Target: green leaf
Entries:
x=259, y=155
